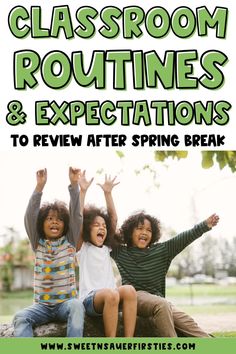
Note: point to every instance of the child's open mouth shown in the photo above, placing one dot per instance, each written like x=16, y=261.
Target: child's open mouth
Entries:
x=100, y=236
x=142, y=239
x=54, y=229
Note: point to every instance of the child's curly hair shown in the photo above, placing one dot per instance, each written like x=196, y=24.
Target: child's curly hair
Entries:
x=89, y=214
x=62, y=211
x=133, y=221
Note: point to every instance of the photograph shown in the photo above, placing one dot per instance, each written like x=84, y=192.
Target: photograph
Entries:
x=118, y=176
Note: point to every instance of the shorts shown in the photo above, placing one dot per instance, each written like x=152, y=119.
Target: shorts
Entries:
x=89, y=304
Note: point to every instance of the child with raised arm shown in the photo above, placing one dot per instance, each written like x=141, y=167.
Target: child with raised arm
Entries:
x=98, y=289
x=53, y=233
x=143, y=262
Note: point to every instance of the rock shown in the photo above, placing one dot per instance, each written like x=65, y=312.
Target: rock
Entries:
x=6, y=330
x=93, y=327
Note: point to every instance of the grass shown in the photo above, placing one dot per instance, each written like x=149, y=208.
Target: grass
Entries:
x=202, y=290
x=224, y=334
x=211, y=292
x=22, y=294
x=175, y=291
x=13, y=301
x=6, y=319
x=210, y=309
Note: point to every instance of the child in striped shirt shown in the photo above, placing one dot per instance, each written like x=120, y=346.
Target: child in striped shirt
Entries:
x=53, y=231
x=143, y=262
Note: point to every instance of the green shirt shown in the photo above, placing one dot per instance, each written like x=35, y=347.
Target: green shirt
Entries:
x=146, y=269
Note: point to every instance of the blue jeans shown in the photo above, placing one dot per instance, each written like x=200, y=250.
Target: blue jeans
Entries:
x=71, y=311
x=89, y=306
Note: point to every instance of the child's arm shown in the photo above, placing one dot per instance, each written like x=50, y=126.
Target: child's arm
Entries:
x=107, y=187
x=41, y=177
x=33, y=207
x=76, y=218
x=176, y=244
x=84, y=185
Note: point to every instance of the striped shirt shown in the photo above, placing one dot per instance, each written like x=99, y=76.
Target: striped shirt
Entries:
x=146, y=269
x=54, y=271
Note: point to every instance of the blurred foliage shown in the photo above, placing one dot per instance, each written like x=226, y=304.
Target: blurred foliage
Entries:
x=120, y=154
x=100, y=171
x=6, y=269
x=152, y=171
x=163, y=155
x=15, y=251
x=223, y=158
x=208, y=257
x=23, y=253
x=209, y=158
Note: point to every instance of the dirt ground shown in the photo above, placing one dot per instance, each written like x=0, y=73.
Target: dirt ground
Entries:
x=224, y=322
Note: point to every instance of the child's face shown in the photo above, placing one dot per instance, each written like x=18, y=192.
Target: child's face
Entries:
x=142, y=234
x=98, y=231
x=53, y=225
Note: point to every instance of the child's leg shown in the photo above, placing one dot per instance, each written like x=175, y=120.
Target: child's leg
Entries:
x=72, y=311
x=159, y=309
x=185, y=325
x=106, y=301
x=32, y=316
x=128, y=297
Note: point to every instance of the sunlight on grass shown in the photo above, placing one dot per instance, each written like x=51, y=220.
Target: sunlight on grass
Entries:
x=24, y=294
x=201, y=290
x=6, y=319
x=211, y=309
x=224, y=334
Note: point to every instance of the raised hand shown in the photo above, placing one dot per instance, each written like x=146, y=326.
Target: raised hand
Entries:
x=108, y=184
x=74, y=175
x=212, y=220
x=107, y=187
x=83, y=182
x=41, y=177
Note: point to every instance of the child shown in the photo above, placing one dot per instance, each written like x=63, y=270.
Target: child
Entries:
x=143, y=262
x=53, y=233
x=98, y=289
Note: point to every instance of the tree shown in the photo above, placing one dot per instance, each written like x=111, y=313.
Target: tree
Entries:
x=208, y=257
x=23, y=253
x=227, y=249
x=15, y=251
x=185, y=264
x=6, y=270
x=209, y=158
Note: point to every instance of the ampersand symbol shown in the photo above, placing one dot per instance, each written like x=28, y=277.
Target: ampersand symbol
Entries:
x=16, y=115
